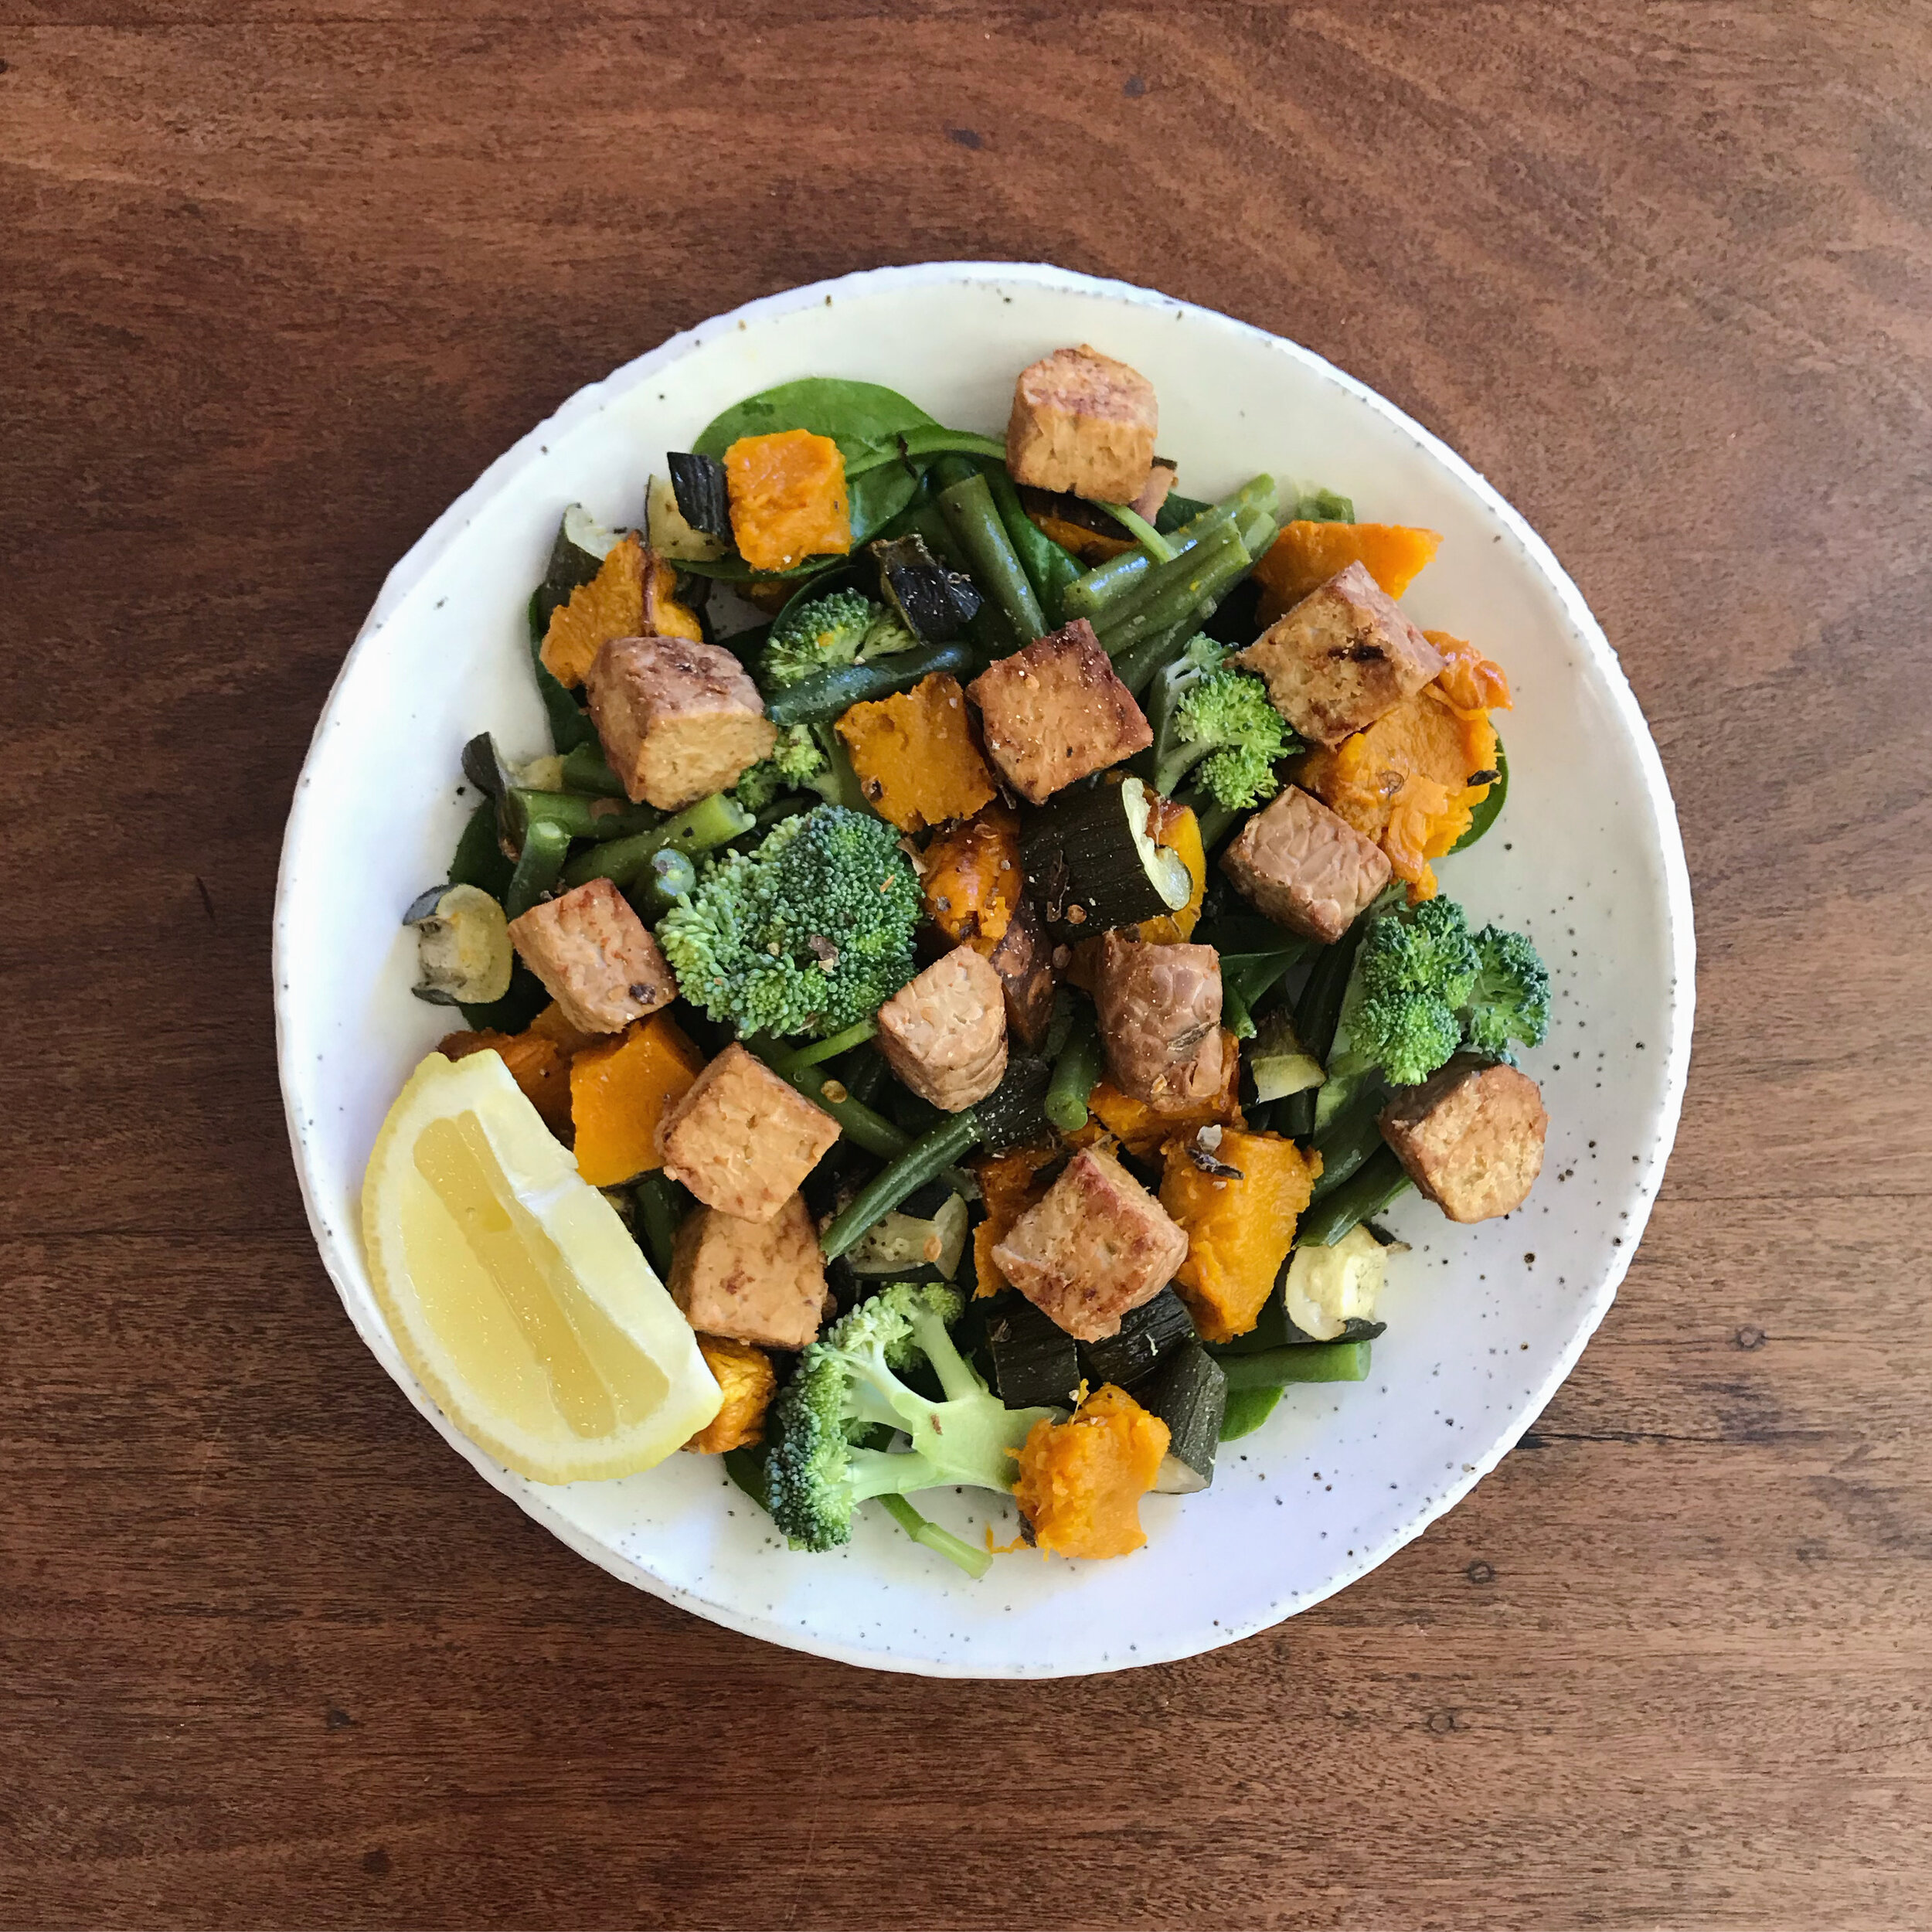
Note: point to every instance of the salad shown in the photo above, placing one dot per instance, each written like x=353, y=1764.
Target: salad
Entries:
x=948, y=1006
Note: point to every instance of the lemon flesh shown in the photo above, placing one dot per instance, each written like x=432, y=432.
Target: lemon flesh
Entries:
x=516, y=1292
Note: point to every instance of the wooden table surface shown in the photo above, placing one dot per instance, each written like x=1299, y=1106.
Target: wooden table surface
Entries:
x=277, y=280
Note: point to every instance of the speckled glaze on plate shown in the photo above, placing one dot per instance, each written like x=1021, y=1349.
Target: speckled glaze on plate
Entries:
x=1484, y=1322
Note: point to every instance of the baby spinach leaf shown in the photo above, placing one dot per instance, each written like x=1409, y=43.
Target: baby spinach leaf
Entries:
x=1483, y=816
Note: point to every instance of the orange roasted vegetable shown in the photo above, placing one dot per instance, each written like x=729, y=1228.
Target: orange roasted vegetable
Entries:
x=621, y=1089
x=1239, y=1233
x=610, y=605
x=1009, y=1184
x=972, y=878
x=914, y=756
x=1141, y=1131
x=746, y=1376
x=536, y=1062
x=788, y=499
x=1305, y=556
x=1081, y=1481
x=1179, y=830
x=1091, y=547
x=664, y=616
x=552, y=1024
x=1405, y=782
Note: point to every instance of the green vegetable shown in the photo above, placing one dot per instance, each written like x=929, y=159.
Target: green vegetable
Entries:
x=585, y=770
x=855, y=1035
x=540, y=866
x=480, y=859
x=1379, y=1180
x=1246, y=1409
x=1423, y=986
x=570, y=724
x=1190, y=1395
x=814, y=634
x=942, y=1542
x=1011, y=1112
x=1076, y=1071
x=1137, y=526
x=1034, y=1360
x=1278, y=1063
x=1319, y=1362
x=806, y=757
x=1049, y=569
x=1146, y=1336
x=809, y=933
x=829, y=694
x=1349, y=1138
x=659, y=1208
x=973, y=518
x=1172, y=592
x=1218, y=724
x=702, y=827
x=1321, y=506
x=815, y=1477
x=1124, y=578
x=576, y=557
x=1316, y=1015
x=668, y=878
x=1483, y=816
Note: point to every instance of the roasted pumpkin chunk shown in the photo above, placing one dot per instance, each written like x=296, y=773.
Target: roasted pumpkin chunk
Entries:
x=788, y=498
x=1179, y=830
x=621, y=1089
x=1405, y=783
x=914, y=755
x=1239, y=1232
x=538, y=1064
x=972, y=878
x=1305, y=556
x=610, y=605
x=748, y=1382
x=664, y=616
x=1081, y=1481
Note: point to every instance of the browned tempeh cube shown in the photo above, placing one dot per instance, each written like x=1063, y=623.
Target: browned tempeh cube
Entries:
x=1093, y=1250
x=1082, y=423
x=596, y=958
x=1342, y=658
x=944, y=1033
x=1160, y=1017
x=1305, y=867
x=1471, y=1137
x=757, y=1281
x=741, y=1139
x=678, y=720
x=1056, y=712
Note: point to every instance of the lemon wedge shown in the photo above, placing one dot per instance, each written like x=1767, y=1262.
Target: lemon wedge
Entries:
x=514, y=1291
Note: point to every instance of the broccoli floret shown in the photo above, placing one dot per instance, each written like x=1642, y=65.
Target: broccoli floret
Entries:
x=1423, y=987
x=850, y=1381
x=816, y=635
x=1511, y=998
x=1217, y=723
x=809, y=933
x=798, y=762
x=886, y=634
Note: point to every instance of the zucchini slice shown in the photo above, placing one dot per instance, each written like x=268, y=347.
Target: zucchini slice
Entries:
x=1279, y=1064
x=1328, y=1290
x=671, y=533
x=581, y=544
x=1092, y=863
x=702, y=495
x=920, y=1240
x=934, y=604
x=463, y=949
x=1036, y=1362
x=1190, y=1395
x=1155, y=1329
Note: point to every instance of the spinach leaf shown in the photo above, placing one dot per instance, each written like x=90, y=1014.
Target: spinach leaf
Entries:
x=1483, y=816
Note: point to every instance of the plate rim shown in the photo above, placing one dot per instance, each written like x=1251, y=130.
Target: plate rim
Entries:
x=392, y=597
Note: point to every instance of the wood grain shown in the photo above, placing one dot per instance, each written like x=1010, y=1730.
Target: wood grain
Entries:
x=277, y=282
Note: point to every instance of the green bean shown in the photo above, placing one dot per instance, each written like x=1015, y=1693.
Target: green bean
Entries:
x=973, y=518
x=1100, y=586
x=1379, y=1180
x=1050, y=568
x=670, y=877
x=545, y=847
x=941, y=1543
x=659, y=1211
x=825, y=694
x=1254, y=973
x=585, y=769
x=1169, y=592
x=933, y=440
x=1304, y=1361
x=1349, y=1141
x=939, y=1146
x=1142, y=532
x=711, y=822
x=857, y=1121
x=570, y=724
x=1317, y=1014
x=1075, y=1073
x=1215, y=821
x=575, y=815
x=832, y=1046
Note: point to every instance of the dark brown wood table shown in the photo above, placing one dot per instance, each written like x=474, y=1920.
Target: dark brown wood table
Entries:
x=277, y=280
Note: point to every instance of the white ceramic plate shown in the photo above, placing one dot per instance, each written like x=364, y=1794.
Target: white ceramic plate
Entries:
x=1484, y=1322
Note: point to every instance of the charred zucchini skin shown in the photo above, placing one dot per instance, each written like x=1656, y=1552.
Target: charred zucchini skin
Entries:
x=1190, y=1395
x=936, y=603
x=1147, y=1335
x=1035, y=1362
x=699, y=484
x=1083, y=866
